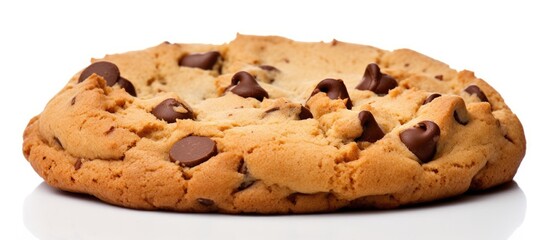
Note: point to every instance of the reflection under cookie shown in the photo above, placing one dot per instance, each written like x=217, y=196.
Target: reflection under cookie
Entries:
x=52, y=214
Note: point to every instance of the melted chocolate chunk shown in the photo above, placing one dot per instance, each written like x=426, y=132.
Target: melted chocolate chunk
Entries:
x=193, y=150
x=246, y=86
x=107, y=70
x=431, y=98
x=170, y=110
x=205, y=61
x=334, y=89
x=371, y=132
x=376, y=81
x=439, y=77
x=305, y=113
x=127, y=85
x=422, y=140
x=475, y=90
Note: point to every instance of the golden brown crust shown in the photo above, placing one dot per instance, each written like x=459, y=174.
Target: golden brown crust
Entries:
x=96, y=139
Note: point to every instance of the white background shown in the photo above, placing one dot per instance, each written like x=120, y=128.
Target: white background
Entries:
x=43, y=43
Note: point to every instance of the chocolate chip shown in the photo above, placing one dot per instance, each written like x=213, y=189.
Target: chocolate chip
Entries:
x=193, y=150
x=206, y=202
x=371, y=132
x=107, y=70
x=127, y=85
x=431, y=98
x=170, y=110
x=334, y=89
x=269, y=68
x=110, y=73
x=460, y=118
x=73, y=100
x=376, y=81
x=460, y=114
x=246, y=86
x=439, y=77
x=78, y=164
x=475, y=90
x=422, y=140
x=204, y=61
x=305, y=113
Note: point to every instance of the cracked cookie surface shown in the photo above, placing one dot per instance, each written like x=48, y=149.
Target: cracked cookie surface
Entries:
x=270, y=125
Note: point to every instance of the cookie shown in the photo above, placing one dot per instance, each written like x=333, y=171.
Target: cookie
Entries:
x=268, y=125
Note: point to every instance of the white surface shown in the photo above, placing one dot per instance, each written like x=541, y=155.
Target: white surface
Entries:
x=43, y=43
x=51, y=214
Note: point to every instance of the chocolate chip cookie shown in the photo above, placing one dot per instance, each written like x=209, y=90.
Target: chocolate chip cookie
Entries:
x=270, y=125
